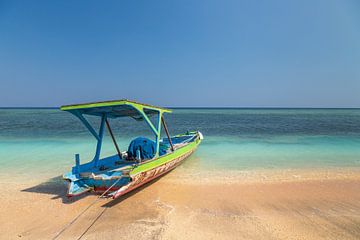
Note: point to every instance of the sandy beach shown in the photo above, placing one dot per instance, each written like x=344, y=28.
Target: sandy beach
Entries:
x=293, y=205
x=209, y=120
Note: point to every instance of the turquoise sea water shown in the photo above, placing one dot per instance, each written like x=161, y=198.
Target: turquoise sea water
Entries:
x=44, y=141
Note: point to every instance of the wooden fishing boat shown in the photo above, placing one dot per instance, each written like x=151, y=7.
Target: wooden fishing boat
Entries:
x=145, y=159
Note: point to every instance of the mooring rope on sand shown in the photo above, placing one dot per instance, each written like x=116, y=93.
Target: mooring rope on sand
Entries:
x=97, y=218
x=81, y=213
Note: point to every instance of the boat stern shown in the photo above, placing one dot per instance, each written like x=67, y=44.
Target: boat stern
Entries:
x=75, y=185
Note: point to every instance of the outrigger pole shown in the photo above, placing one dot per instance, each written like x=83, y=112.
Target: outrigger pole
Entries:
x=167, y=133
x=113, y=138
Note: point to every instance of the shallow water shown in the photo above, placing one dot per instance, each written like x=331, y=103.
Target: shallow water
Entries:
x=44, y=141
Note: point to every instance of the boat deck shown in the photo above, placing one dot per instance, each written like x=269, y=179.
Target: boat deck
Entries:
x=113, y=167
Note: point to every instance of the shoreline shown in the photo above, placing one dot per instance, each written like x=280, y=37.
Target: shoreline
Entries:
x=205, y=176
x=266, y=175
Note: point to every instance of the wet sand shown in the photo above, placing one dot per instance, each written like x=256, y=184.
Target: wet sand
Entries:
x=244, y=205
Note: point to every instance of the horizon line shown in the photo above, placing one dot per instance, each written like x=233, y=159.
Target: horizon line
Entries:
x=215, y=107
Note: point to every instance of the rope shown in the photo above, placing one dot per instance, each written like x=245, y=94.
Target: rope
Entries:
x=77, y=217
x=97, y=218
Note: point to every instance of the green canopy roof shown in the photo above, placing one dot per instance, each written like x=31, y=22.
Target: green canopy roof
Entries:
x=115, y=108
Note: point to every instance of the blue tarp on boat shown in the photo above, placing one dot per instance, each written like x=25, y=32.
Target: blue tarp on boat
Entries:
x=146, y=147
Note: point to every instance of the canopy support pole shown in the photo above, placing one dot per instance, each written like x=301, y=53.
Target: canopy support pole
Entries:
x=155, y=130
x=167, y=133
x=87, y=124
x=99, y=142
x=158, y=134
x=148, y=121
x=113, y=138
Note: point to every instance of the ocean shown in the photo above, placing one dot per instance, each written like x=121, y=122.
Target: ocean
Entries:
x=42, y=142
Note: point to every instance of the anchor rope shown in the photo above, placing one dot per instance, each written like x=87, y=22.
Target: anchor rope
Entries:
x=81, y=213
x=95, y=220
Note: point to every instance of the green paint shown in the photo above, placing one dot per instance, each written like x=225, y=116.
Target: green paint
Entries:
x=166, y=158
x=113, y=103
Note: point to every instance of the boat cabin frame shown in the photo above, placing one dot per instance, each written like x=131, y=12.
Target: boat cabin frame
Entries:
x=115, y=109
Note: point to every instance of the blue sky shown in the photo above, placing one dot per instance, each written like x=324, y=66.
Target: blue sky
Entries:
x=181, y=53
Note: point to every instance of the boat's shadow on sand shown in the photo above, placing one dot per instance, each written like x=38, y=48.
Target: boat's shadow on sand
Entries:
x=54, y=186
x=57, y=188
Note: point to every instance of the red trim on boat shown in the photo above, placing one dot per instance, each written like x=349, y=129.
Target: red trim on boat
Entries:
x=153, y=177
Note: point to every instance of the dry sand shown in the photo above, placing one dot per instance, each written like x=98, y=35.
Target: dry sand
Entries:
x=294, y=205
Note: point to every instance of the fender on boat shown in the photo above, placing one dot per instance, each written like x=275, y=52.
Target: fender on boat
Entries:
x=200, y=135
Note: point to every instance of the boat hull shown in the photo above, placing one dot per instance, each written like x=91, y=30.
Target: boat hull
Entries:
x=136, y=177
x=147, y=176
